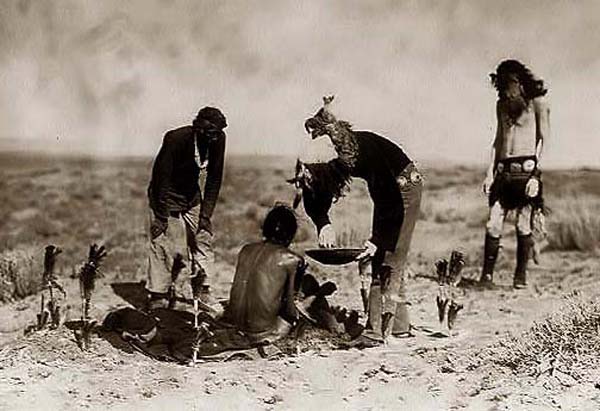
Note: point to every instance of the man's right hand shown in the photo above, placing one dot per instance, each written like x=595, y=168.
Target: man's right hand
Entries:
x=158, y=227
x=327, y=237
x=487, y=184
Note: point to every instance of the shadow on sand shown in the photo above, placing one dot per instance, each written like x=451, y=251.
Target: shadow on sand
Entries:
x=469, y=283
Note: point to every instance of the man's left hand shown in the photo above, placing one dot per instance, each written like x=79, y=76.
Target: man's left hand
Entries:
x=370, y=250
x=158, y=227
x=205, y=225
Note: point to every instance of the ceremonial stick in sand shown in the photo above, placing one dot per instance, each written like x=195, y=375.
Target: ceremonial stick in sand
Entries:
x=203, y=332
x=365, y=272
x=176, y=268
x=49, y=282
x=449, y=275
x=87, y=283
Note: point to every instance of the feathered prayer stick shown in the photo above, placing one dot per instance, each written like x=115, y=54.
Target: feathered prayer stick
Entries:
x=87, y=283
x=50, y=282
x=449, y=275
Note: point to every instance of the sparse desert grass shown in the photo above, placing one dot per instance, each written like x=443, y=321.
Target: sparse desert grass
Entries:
x=75, y=202
x=575, y=223
x=454, y=204
x=20, y=273
x=443, y=178
x=568, y=341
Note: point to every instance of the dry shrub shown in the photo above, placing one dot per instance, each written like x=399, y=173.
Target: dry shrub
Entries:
x=20, y=274
x=575, y=224
x=568, y=341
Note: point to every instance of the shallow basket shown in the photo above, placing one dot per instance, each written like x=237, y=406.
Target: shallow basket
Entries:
x=334, y=256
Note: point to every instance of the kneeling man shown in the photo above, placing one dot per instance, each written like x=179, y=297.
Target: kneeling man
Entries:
x=268, y=274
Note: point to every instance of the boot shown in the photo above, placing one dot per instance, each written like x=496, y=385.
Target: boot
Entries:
x=524, y=245
x=401, y=321
x=374, y=320
x=491, y=247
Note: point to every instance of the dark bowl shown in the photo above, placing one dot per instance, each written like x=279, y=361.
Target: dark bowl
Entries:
x=334, y=256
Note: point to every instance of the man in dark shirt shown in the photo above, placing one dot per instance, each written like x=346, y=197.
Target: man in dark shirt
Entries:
x=261, y=302
x=395, y=186
x=180, y=214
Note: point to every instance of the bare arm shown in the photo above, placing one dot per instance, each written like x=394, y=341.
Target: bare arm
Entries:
x=497, y=140
x=542, y=124
x=489, y=175
x=295, y=272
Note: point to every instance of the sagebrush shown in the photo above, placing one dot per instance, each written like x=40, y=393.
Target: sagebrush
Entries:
x=568, y=340
x=20, y=273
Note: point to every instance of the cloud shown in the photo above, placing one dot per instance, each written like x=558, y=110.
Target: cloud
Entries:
x=112, y=77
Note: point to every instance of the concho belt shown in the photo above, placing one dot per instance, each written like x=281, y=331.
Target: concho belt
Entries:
x=414, y=178
x=526, y=166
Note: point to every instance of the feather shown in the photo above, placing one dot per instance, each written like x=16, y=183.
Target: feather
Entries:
x=88, y=274
x=457, y=262
x=49, y=263
x=441, y=266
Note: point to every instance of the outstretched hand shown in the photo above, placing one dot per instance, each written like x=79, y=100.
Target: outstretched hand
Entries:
x=370, y=250
x=327, y=237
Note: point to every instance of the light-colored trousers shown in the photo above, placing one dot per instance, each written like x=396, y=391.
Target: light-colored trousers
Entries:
x=495, y=223
x=181, y=237
x=394, y=299
x=394, y=296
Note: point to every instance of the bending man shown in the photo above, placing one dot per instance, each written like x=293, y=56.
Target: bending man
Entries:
x=395, y=186
x=181, y=216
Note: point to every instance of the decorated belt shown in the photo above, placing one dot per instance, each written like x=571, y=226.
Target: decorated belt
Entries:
x=516, y=166
x=410, y=175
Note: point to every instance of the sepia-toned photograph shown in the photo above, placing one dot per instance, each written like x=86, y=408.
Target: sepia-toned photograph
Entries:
x=300, y=205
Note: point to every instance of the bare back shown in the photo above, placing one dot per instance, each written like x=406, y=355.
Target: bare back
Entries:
x=263, y=284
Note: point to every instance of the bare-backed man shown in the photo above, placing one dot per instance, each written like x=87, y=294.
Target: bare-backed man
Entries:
x=513, y=180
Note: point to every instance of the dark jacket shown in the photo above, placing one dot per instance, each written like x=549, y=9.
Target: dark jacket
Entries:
x=379, y=163
x=174, y=186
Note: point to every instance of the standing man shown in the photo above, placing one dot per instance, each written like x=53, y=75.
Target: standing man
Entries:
x=395, y=186
x=181, y=215
x=513, y=180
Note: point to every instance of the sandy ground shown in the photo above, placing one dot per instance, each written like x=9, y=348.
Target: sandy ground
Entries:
x=46, y=370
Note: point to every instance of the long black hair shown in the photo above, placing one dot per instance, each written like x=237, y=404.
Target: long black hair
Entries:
x=332, y=178
x=532, y=86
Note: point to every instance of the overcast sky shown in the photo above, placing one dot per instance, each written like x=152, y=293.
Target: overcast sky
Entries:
x=111, y=77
